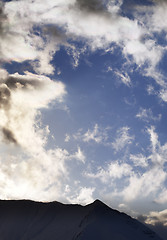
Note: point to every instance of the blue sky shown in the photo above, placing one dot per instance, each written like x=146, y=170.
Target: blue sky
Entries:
x=83, y=103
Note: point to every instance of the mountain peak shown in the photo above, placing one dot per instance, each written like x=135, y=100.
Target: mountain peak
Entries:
x=98, y=202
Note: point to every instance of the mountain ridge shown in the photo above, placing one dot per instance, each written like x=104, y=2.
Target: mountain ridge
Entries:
x=30, y=220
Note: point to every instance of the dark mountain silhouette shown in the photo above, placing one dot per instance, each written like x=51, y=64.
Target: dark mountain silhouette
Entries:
x=28, y=220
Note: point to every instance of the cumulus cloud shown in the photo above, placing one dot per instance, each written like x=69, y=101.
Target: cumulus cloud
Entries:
x=155, y=15
x=15, y=43
x=113, y=171
x=22, y=26
x=157, y=221
x=144, y=184
x=85, y=196
x=157, y=217
x=39, y=29
x=96, y=22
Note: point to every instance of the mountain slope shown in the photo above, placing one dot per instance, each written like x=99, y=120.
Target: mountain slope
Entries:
x=28, y=220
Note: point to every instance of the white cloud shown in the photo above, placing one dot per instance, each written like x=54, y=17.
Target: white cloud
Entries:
x=159, y=152
x=79, y=155
x=98, y=135
x=114, y=170
x=98, y=28
x=144, y=185
x=143, y=53
x=129, y=184
x=146, y=115
x=156, y=217
x=124, y=77
x=153, y=138
x=139, y=160
x=123, y=207
x=19, y=40
x=162, y=197
x=123, y=139
x=99, y=25
x=85, y=196
x=151, y=90
x=163, y=94
x=37, y=29
x=67, y=138
x=154, y=16
x=37, y=176
x=153, y=179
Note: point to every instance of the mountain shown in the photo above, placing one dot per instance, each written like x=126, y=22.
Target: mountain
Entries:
x=28, y=220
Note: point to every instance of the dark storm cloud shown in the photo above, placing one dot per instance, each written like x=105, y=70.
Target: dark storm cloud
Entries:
x=13, y=82
x=92, y=6
x=9, y=135
x=54, y=32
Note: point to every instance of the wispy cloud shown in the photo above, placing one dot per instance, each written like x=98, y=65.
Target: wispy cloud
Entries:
x=146, y=115
x=123, y=139
x=147, y=181
x=139, y=160
x=97, y=134
x=153, y=179
x=67, y=138
x=124, y=77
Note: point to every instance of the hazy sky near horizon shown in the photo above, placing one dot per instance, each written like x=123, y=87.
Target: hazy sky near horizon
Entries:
x=83, y=103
